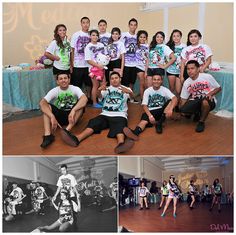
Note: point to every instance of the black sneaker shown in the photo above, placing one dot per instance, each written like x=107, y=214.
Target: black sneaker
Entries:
x=210, y=209
x=140, y=208
x=147, y=208
x=90, y=102
x=219, y=210
x=69, y=138
x=200, y=127
x=47, y=140
x=159, y=128
x=159, y=208
x=196, y=117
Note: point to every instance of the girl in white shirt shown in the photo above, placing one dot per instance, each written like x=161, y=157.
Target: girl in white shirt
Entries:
x=91, y=52
x=59, y=50
x=195, y=51
x=143, y=192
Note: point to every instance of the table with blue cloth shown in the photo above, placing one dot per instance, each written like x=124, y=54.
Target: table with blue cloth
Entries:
x=225, y=98
x=24, y=89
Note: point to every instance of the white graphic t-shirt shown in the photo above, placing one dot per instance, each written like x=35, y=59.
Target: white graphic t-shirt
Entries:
x=141, y=56
x=156, y=99
x=217, y=189
x=64, y=99
x=158, y=55
x=39, y=192
x=130, y=42
x=199, y=88
x=199, y=53
x=63, y=53
x=143, y=191
x=192, y=188
x=65, y=209
x=79, y=41
x=92, y=50
x=175, y=67
x=173, y=190
x=115, y=102
x=115, y=49
x=17, y=193
x=104, y=38
x=67, y=182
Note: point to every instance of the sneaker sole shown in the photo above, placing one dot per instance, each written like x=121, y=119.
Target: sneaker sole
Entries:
x=67, y=139
x=130, y=134
x=127, y=145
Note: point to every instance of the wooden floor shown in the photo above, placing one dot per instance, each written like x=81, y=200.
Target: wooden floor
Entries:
x=199, y=219
x=88, y=220
x=24, y=137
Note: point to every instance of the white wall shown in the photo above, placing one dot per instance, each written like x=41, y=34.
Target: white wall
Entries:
x=129, y=165
x=30, y=168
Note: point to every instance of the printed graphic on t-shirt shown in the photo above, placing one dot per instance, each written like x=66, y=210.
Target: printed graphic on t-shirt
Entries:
x=15, y=194
x=80, y=46
x=64, y=54
x=156, y=101
x=175, y=67
x=114, y=186
x=142, y=191
x=88, y=185
x=130, y=45
x=65, y=101
x=141, y=54
x=198, y=54
x=66, y=183
x=95, y=51
x=114, y=101
x=165, y=190
x=39, y=193
x=174, y=189
x=198, y=89
x=104, y=40
x=112, y=50
x=217, y=188
x=65, y=211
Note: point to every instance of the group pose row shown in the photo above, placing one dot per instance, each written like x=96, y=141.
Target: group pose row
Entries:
x=171, y=191
x=129, y=57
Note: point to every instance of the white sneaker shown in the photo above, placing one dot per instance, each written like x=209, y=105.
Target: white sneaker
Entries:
x=134, y=101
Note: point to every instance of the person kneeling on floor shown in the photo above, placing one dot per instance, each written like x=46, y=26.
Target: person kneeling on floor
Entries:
x=113, y=116
x=67, y=107
x=198, y=94
x=158, y=103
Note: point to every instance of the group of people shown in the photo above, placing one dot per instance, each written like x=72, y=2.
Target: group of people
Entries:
x=171, y=191
x=191, y=91
x=66, y=200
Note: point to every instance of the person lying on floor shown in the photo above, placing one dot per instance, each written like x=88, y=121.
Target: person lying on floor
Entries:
x=66, y=208
x=113, y=116
x=63, y=105
x=158, y=103
x=198, y=94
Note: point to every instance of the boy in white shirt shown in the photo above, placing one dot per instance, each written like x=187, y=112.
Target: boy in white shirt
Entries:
x=198, y=94
x=62, y=105
x=158, y=103
x=113, y=116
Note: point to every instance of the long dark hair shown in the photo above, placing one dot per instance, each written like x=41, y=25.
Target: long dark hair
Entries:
x=191, y=32
x=214, y=183
x=115, y=29
x=140, y=32
x=154, y=42
x=171, y=43
x=57, y=37
x=67, y=194
x=164, y=185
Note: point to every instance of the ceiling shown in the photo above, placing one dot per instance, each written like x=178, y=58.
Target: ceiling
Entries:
x=186, y=163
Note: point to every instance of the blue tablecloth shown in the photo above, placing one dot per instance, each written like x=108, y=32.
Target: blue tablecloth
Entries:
x=24, y=89
x=225, y=99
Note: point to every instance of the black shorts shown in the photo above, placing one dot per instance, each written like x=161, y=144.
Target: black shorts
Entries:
x=171, y=74
x=143, y=196
x=59, y=71
x=185, y=73
x=80, y=76
x=156, y=113
x=194, y=106
x=138, y=70
x=114, y=64
x=165, y=195
x=156, y=71
x=102, y=122
x=129, y=76
x=218, y=194
x=61, y=115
